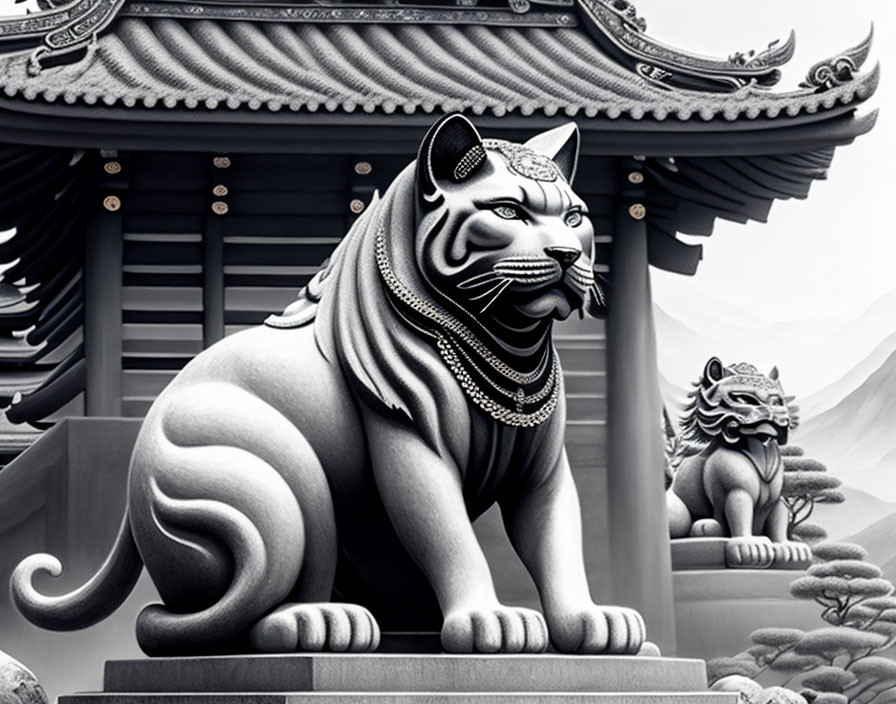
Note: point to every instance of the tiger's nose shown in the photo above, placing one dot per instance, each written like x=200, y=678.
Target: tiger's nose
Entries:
x=565, y=256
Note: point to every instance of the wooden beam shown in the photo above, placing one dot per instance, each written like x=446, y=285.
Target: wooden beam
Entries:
x=102, y=302
x=639, y=536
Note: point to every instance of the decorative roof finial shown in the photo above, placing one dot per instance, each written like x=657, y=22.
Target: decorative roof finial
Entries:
x=839, y=69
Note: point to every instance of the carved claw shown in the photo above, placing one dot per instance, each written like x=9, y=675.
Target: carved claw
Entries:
x=316, y=627
x=500, y=629
x=756, y=552
x=792, y=553
x=610, y=630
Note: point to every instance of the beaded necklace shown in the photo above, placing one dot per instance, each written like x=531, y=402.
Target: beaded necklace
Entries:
x=458, y=346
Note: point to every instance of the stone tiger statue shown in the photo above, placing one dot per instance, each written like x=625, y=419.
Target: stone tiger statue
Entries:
x=728, y=472
x=302, y=484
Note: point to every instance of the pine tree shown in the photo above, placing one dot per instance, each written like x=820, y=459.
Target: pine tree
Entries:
x=806, y=483
x=838, y=663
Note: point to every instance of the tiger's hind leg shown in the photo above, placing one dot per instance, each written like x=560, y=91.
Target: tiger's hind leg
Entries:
x=233, y=515
x=707, y=528
x=220, y=557
x=316, y=627
x=679, y=517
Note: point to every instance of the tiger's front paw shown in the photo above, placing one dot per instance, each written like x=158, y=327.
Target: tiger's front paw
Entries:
x=604, y=630
x=499, y=629
x=755, y=552
x=792, y=554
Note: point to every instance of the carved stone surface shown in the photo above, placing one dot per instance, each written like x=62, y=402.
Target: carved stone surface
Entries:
x=414, y=698
x=394, y=679
x=405, y=673
x=716, y=610
x=340, y=452
x=18, y=685
x=730, y=473
x=712, y=554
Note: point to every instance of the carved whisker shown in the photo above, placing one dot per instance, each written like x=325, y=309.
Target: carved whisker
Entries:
x=533, y=280
x=581, y=276
x=503, y=268
x=485, y=282
x=584, y=274
x=581, y=282
x=479, y=280
x=501, y=282
x=598, y=295
x=501, y=290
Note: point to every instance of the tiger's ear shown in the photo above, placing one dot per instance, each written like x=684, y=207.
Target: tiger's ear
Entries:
x=451, y=151
x=713, y=372
x=773, y=374
x=560, y=144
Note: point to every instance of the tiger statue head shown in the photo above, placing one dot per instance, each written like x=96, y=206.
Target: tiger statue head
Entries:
x=501, y=234
x=735, y=402
x=478, y=247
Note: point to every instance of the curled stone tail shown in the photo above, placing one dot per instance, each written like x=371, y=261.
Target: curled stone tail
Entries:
x=89, y=604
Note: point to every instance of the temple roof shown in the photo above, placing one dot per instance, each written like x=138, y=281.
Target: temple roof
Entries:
x=585, y=58
x=209, y=64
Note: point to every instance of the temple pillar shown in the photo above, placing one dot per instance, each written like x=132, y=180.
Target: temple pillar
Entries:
x=213, y=252
x=639, y=538
x=102, y=295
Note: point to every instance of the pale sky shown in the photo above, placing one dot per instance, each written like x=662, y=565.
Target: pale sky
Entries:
x=836, y=251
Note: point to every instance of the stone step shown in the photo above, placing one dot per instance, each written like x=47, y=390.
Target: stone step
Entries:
x=406, y=673
x=409, y=698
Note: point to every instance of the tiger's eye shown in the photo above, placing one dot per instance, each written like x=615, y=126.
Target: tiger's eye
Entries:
x=508, y=212
x=573, y=218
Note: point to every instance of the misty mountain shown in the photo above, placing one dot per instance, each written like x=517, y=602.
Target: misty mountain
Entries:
x=674, y=397
x=859, y=511
x=706, y=312
x=811, y=354
x=684, y=348
x=830, y=395
x=877, y=539
x=856, y=439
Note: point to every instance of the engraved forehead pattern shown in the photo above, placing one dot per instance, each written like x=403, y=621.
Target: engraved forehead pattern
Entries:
x=757, y=381
x=524, y=161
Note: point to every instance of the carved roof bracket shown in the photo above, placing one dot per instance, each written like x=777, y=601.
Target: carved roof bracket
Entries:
x=839, y=69
x=61, y=28
x=616, y=25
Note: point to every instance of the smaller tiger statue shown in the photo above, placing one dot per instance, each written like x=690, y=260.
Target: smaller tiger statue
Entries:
x=728, y=469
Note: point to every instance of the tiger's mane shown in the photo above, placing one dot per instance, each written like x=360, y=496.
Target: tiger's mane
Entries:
x=357, y=327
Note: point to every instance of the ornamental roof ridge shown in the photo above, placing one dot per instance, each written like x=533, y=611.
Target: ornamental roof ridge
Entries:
x=575, y=57
x=616, y=26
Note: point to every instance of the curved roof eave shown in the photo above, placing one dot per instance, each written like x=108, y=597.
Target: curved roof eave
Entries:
x=236, y=131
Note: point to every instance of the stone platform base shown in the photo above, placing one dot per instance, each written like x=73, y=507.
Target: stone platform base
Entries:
x=717, y=610
x=709, y=554
x=404, y=679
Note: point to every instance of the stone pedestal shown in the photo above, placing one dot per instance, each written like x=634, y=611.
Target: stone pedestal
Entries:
x=717, y=610
x=709, y=554
x=408, y=679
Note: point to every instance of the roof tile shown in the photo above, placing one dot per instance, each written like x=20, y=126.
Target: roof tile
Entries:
x=207, y=64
